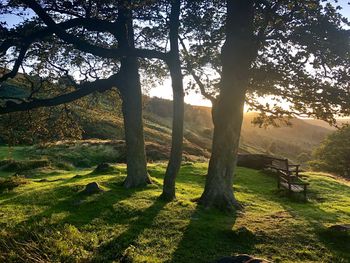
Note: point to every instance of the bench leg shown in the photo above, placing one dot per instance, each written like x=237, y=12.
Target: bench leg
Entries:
x=305, y=197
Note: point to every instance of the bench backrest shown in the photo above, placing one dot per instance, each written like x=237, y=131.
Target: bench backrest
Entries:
x=279, y=164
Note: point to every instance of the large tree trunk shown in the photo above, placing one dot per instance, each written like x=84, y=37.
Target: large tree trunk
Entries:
x=178, y=106
x=132, y=111
x=132, y=105
x=237, y=54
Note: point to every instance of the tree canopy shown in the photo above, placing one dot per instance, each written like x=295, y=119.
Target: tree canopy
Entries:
x=333, y=155
x=301, y=66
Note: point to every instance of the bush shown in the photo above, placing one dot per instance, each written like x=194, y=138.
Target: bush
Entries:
x=86, y=153
x=303, y=157
x=7, y=184
x=10, y=165
x=333, y=155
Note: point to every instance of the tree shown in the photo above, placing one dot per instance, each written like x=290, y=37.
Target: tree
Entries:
x=131, y=95
x=236, y=51
x=333, y=155
x=95, y=33
x=178, y=104
x=289, y=51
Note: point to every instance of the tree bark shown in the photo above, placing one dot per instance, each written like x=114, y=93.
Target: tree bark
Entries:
x=132, y=105
x=178, y=105
x=132, y=111
x=237, y=55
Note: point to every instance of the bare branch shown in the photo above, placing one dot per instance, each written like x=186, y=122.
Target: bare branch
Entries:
x=194, y=75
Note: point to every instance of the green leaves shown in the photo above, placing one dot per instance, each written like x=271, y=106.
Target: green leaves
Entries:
x=333, y=155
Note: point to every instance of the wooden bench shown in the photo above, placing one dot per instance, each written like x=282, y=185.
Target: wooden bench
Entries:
x=288, y=176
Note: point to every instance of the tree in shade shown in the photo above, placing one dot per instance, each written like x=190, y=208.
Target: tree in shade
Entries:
x=294, y=53
x=98, y=39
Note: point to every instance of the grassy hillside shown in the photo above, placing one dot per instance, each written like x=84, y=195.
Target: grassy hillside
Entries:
x=103, y=120
x=100, y=117
x=325, y=124
x=48, y=219
x=287, y=142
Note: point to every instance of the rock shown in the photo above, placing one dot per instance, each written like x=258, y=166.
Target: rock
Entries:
x=340, y=228
x=92, y=188
x=241, y=259
x=254, y=161
x=103, y=168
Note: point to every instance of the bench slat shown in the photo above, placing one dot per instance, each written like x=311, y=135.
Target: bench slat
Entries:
x=293, y=187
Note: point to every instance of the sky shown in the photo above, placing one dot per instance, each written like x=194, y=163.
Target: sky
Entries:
x=164, y=91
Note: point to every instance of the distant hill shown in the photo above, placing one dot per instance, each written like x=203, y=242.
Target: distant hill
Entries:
x=288, y=142
x=101, y=122
x=325, y=124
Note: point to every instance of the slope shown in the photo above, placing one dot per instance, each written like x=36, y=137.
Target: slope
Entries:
x=48, y=219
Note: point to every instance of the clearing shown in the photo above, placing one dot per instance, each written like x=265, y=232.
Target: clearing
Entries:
x=52, y=221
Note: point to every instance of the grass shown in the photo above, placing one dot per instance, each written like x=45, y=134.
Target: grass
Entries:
x=50, y=221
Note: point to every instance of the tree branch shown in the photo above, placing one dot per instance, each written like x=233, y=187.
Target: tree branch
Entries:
x=84, y=90
x=195, y=77
x=88, y=47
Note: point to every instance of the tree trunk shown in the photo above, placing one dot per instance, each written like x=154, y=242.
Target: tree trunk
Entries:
x=132, y=105
x=237, y=55
x=178, y=106
x=177, y=135
x=132, y=111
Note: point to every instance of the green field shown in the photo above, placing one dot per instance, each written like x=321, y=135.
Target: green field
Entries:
x=51, y=221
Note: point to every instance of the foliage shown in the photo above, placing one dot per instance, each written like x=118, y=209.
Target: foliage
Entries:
x=301, y=59
x=68, y=121
x=8, y=184
x=333, y=155
x=291, y=39
x=10, y=165
x=34, y=49
x=49, y=221
x=39, y=125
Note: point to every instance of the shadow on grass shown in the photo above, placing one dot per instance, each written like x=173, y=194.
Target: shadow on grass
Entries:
x=318, y=219
x=210, y=236
x=337, y=242
x=313, y=213
x=116, y=249
x=79, y=209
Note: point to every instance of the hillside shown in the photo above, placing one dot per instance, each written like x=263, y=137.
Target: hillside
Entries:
x=324, y=124
x=48, y=219
x=102, y=119
x=102, y=123
x=287, y=142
